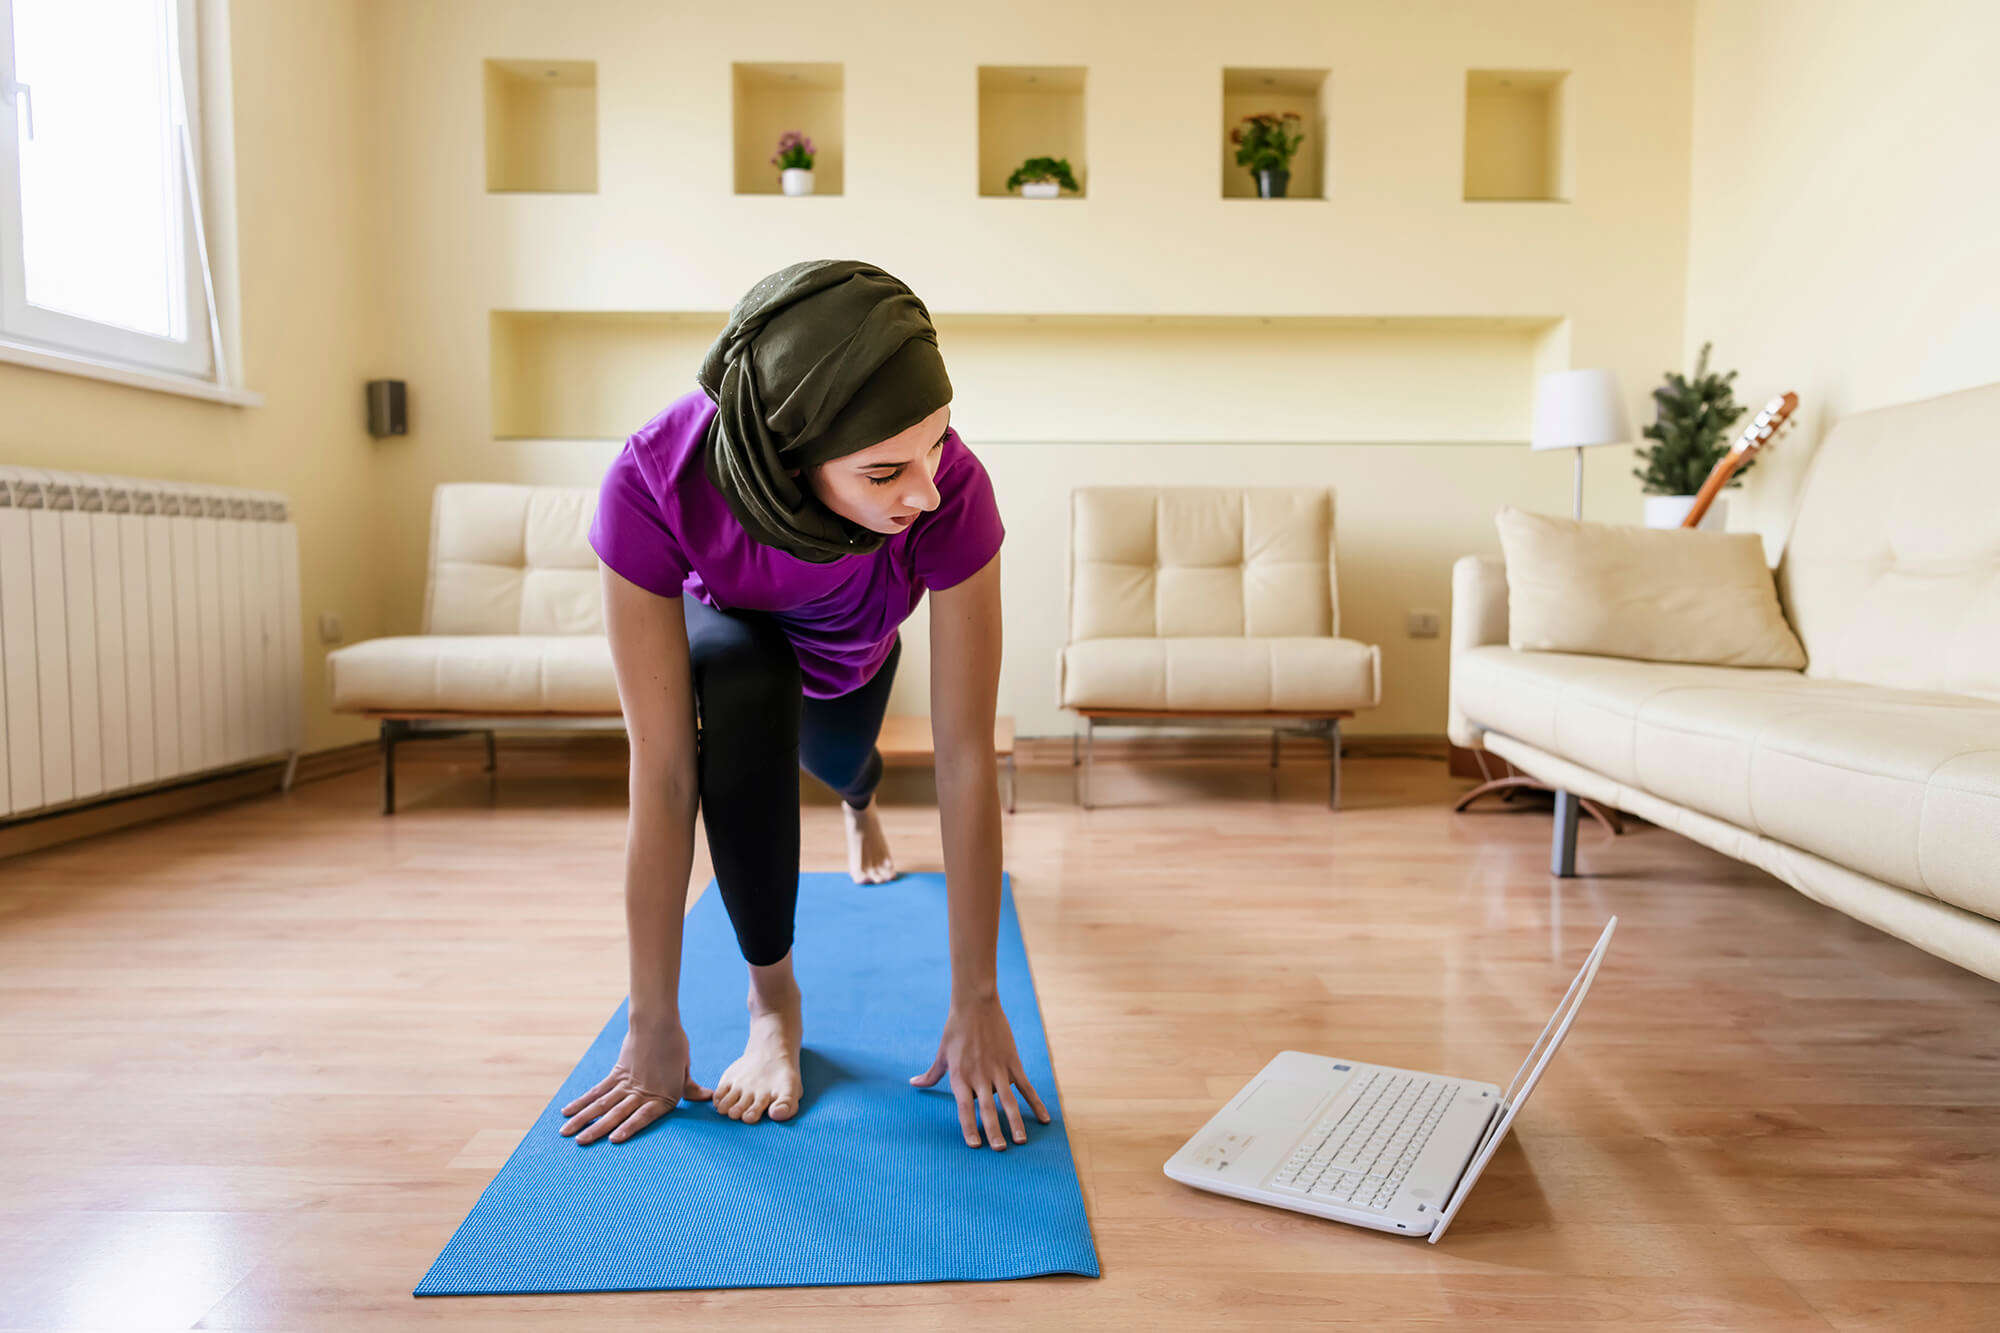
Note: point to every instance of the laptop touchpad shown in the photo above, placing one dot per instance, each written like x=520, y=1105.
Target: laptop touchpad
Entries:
x=1276, y=1101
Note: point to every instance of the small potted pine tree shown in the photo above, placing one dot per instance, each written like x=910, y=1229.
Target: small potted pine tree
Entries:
x=794, y=159
x=1693, y=417
x=1042, y=177
x=1265, y=144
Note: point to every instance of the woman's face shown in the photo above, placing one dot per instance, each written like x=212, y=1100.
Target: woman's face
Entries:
x=885, y=486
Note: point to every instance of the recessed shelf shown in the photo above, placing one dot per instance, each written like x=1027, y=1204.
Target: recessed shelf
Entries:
x=771, y=97
x=1247, y=91
x=1353, y=379
x=541, y=126
x=1516, y=135
x=592, y=374
x=1030, y=111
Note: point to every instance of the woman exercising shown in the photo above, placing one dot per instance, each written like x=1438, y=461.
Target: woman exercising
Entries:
x=807, y=496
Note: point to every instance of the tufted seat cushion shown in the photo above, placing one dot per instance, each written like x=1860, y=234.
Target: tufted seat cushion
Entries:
x=475, y=673
x=1222, y=674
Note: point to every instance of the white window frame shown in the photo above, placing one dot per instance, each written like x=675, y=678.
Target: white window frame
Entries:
x=57, y=340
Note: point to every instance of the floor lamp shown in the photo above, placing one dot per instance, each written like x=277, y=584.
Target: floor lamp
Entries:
x=1574, y=409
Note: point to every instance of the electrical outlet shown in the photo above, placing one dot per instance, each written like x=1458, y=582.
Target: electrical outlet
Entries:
x=329, y=627
x=1424, y=624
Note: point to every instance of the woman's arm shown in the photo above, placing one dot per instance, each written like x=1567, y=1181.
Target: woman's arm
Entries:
x=977, y=1045
x=649, y=654
x=965, y=684
x=654, y=1070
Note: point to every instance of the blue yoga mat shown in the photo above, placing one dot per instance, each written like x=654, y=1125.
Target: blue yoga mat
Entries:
x=872, y=1182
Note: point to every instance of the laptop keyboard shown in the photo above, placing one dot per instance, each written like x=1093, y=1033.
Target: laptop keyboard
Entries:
x=1360, y=1155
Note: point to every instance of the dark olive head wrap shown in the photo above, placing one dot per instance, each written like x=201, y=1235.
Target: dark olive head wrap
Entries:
x=818, y=360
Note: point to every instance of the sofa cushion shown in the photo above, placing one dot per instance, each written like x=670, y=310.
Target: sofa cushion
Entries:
x=475, y=673
x=1902, y=785
x=1201, y=562
x=1891, y=571
x=1224, y=674
x=1905, y=790
x=512, y=559
x=1665, y=595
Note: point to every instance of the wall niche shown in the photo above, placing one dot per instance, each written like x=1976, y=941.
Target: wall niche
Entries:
x=771, y=97
x=1517, y=135
x=1030, y=111
x=1247, y=91
x=541, y=126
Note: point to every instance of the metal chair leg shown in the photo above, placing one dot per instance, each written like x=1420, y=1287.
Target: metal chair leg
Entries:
x=391, y=729
x=1333, y=776
x=1089, y=757
x=492, y=762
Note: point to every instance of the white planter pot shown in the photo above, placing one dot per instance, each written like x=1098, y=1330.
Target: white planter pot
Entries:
x=796, y=180
x=1040, y=189
x=1667, y=511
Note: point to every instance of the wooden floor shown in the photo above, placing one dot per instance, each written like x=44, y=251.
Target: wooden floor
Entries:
x=260, y=1061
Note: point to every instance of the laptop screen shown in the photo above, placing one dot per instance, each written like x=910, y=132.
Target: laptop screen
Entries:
x=1528, y=1075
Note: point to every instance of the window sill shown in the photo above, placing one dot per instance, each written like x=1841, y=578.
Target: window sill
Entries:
x=161, y=381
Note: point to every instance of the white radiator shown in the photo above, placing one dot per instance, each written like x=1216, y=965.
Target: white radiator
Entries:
x=149, y=632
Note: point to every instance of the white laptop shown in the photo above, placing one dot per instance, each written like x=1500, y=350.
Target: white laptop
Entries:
x=1387, y=1148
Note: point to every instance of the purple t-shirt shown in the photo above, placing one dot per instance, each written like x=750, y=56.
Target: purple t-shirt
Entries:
x=662, y=524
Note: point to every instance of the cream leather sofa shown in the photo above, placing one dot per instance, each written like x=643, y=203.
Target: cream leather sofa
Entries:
x=1209, y=606
x=1870, y=781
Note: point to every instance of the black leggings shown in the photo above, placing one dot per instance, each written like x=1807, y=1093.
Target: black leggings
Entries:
x=757, y=729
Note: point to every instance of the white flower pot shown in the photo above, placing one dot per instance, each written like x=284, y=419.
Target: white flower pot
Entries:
x=796, y=180
x=1040, y=189
x=1667, y=511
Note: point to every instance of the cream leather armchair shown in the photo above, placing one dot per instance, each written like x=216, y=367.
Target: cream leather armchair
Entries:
x=1209, y=606
x=512, y=634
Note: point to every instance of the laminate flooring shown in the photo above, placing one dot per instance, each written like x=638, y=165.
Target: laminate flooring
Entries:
x=260, y=1060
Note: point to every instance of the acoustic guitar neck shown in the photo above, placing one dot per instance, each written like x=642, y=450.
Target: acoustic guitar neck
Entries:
x=1757, y=435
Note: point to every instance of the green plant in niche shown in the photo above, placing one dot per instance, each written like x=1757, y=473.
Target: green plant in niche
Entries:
x=794, y=150
x=1265, y=141
x=1044, y=169
x=1692, y=417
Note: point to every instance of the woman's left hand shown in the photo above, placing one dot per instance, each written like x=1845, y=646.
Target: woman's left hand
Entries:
x=978, y=1050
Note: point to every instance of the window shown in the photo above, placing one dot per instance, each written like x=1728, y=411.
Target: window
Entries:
x=101, y=249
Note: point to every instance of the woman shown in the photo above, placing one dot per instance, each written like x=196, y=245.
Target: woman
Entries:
x=808, y=495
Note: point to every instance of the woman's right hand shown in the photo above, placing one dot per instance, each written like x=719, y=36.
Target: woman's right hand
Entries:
x=636, y=1091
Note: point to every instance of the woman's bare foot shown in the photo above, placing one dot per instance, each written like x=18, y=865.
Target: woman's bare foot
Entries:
x=765, y=1078
x=868, y=859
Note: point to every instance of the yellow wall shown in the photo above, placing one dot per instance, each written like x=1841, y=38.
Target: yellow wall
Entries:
x=1838, y=227
x=667, y=232
x=310, y=333
x=1845, y=215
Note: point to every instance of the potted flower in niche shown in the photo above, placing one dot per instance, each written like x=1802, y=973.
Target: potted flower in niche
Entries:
x=1693, y=416
x=1042, y=177
x=795, y=160
x=1265, y=143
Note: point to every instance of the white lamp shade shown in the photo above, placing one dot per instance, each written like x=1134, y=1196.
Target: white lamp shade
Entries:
x=1579, y=407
